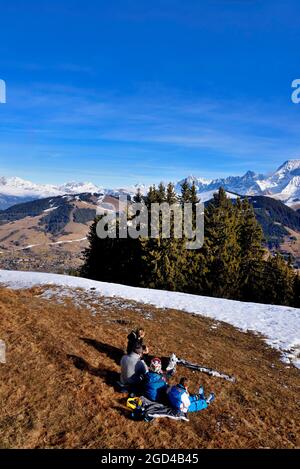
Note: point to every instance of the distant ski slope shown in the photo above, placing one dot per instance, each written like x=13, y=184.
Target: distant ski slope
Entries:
x=280, y=325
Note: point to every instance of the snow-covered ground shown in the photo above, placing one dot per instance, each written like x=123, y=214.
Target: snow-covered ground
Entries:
x=280, y=325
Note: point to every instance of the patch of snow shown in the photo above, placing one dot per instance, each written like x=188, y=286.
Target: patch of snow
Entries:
x=28, y=247
x=90, y=300
x=208, y=195
x=52, y=244
x=50, y=209
x=280, y=325
x=215, y=326
x=68, y=241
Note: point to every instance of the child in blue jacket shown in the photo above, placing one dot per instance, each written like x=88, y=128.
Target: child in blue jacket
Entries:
x=155, y=382
x=180, y=399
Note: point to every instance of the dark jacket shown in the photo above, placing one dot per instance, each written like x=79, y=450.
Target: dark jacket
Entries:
x=154, y=386
x=133, y=341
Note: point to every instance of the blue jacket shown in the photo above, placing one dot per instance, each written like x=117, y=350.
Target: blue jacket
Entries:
x=177, y=397
x=154, y=385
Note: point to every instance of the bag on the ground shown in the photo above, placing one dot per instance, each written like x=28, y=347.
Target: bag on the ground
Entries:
x=144, y=409
x=135, y=404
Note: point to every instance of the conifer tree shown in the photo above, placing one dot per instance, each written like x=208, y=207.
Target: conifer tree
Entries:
x=185, y=196
x=171, y=195
x=296, y=289
x=151, y=196
x=195, y=265
x=117, y=260
x=161, y=193
x=250, y=238
x=137, y=198
x=97, y=259
x=193, y=198
x=279, y=280
x=221, y=248
x=164, y=256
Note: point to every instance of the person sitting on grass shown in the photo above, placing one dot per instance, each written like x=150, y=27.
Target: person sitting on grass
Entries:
x=180, y=398
x=136, y=338
x=155, y=382
x=133, y=368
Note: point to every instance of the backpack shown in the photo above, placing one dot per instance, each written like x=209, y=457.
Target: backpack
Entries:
x=138, y=411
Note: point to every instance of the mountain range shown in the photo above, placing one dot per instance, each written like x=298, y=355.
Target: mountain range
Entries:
x=14, y=190
x=282, y=184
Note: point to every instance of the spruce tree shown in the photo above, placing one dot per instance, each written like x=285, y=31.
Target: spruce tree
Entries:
x=279, y=280
x=137, y=198
x=185, y=196
x=116, y=260
x=250, y=238
x=296, y=291
x=193, y=198
x=161, y=192
x=164, y=257
x=221, y=248
x=151, y=196
x=171, y=195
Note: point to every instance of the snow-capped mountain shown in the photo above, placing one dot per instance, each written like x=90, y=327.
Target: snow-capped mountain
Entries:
x=200, y=183
x=15, y=190
x=246, y=184
x=16, y=186
x=283, y=184
x=79, y=187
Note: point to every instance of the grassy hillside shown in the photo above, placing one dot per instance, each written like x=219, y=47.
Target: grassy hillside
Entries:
x=274, y=217
x=57, y=387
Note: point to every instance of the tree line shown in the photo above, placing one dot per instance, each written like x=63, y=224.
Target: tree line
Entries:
x=232, y=263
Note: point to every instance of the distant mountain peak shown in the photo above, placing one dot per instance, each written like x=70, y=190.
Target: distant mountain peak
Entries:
x=289, y=165
x=249, y=174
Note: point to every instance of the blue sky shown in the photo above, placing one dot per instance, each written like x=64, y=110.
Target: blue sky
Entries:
x=119, y=92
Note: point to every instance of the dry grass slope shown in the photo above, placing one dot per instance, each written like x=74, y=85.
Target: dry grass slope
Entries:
x=57, y=386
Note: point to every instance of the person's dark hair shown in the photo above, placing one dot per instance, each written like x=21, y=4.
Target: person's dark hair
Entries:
x=139, y=330
x=138, y=349
x=184, y=382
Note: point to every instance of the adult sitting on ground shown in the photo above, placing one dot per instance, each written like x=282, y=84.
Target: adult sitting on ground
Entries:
x=136, y=338
x=180, y=399
x=133, y=368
